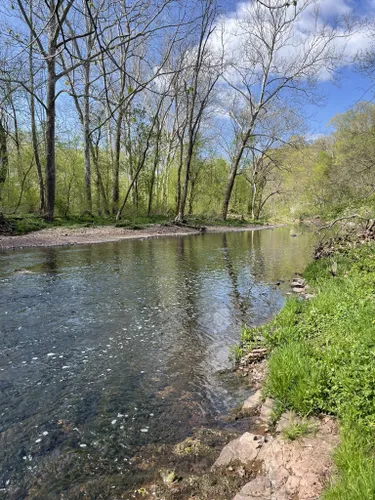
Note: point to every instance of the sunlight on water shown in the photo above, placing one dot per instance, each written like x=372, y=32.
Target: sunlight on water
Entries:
x=106, y=348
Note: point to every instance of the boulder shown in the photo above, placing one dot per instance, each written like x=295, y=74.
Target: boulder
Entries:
x=244, y=449
x=260, y=487
x=253, y=401
x=295, y=470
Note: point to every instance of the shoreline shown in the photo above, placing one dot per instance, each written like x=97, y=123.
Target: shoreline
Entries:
x=64, y=236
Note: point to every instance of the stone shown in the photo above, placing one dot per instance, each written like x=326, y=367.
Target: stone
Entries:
x=253, y=401
x=295, y=470
x=298, y=289
x=260, y=487
x=308, y=296
x=245, y=449
x=299, y=282
x=266, y=410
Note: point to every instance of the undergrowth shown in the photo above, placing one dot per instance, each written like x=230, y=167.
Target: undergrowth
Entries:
x=26, y=223
x=323, y=361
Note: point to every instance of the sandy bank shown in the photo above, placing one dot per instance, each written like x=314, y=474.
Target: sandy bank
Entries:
x=62, y=236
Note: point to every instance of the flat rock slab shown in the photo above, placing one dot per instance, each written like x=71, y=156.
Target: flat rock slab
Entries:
x=294, y=470
x=244, y=449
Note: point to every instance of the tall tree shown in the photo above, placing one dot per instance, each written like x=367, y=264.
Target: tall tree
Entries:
x=275, y=62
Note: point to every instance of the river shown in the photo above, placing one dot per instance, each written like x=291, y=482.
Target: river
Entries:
x=108, y=348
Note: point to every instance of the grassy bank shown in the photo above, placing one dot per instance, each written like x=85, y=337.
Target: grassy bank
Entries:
x=323, y=361
x=23, y=224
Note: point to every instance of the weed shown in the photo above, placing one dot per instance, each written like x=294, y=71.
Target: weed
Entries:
x=297, y=430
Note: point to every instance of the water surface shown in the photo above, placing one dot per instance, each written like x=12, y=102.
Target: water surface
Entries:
x=110, y=347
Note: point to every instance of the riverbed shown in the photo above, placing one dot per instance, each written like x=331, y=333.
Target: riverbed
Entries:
x=109, y=348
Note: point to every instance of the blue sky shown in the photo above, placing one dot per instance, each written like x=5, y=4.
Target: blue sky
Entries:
x=351, y=86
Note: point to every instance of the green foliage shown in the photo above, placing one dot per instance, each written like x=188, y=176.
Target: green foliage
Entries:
x=323, y=360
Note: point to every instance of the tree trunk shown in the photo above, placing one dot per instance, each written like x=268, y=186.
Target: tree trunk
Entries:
x=99, y=180
x=191, y=197
x=34, y=135
x=253, y=200
x=229, y=186
x=50, y=137
x=4, y=159
x=153, y=174
x=86, y=127
x=116, y=164
x=181, y=211
x=179, y=172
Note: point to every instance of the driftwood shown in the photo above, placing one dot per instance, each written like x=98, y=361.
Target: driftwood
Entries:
x=201, y=229
x=346, y=237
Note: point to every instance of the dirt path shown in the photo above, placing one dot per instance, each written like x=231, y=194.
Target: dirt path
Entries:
x=62, y=236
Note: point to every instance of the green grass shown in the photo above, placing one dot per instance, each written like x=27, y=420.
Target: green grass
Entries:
x=297, y=430
x=323, y=360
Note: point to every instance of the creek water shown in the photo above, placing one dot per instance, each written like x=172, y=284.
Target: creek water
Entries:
x=108, y=348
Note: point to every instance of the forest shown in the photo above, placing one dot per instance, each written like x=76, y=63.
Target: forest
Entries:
x=187, y=359
x=167, y=107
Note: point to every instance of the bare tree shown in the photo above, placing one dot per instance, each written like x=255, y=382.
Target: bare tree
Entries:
x=198, y=81
x=276, y=62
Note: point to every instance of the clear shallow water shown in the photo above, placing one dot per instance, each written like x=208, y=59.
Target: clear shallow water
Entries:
x=110, y=347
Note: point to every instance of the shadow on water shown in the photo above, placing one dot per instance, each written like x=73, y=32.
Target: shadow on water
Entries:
x=110, y=349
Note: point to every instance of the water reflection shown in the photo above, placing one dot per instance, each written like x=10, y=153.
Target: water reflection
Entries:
x=109, y=347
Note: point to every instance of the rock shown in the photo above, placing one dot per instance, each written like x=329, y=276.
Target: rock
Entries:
x=255, y=355
x=308, y=296
x=253, y=401
x=298, y=290
x=299, y=282
x=266, y=410
x=244, y=449
x=260, y=487
x=295, y=470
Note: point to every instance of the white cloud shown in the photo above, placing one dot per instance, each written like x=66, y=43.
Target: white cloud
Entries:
x=317, y=14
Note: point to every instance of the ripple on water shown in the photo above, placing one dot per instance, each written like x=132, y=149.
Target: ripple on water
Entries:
x=108, y=348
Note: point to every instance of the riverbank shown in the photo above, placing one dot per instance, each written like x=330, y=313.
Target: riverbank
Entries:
x=308, y=429
x=64, y=236
x=321, y=363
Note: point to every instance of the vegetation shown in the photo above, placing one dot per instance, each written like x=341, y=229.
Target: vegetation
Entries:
x=98, y=119
x=322, y=361
x=297, y=430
